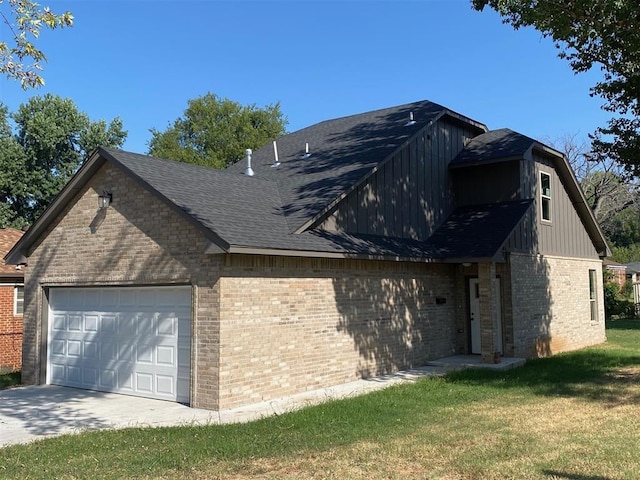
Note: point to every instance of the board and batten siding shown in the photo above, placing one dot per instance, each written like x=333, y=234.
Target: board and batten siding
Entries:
x=564, y=235
x=496, y=182
x=408, y=197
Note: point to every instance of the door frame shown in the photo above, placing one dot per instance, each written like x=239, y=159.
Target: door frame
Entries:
x=474, y=342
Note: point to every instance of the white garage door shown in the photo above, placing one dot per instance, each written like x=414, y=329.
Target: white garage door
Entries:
x=127, y=340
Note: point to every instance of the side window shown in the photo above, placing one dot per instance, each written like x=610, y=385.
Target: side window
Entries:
x=593, y=285
x=545, y=196
x=18, y=300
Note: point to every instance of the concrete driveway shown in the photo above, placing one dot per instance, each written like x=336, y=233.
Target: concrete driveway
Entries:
x=36, y=412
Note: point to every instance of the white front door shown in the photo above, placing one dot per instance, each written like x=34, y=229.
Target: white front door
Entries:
x=474, y=316
x=131, y=340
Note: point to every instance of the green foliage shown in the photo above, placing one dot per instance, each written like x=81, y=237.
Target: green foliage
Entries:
x=618, y=302
x=600, y=33
x=626, y=254
x=10, y=380
x=24, y=20
x=215, y=132
x=51, y=139
x=613, y=199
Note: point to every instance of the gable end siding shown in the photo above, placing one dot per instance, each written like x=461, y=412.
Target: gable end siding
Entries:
x=483, y=184
x=409, y=197
x=140, y=241
x=565, y=235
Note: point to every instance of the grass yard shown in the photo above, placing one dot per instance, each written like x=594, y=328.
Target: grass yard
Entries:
x=572, y=417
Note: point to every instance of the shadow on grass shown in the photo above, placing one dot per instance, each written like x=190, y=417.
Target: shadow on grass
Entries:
x=573, y=476
x=609, y=375
x=623, y=324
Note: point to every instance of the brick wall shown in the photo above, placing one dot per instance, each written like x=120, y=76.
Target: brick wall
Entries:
x=294, y=324
x=140, y=241
x=281, y=325
x=551, y=308
x=10, y=332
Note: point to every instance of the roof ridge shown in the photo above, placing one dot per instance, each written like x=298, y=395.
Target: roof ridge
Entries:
x=186, y=165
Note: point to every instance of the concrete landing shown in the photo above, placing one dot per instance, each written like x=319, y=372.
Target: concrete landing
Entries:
x=459, y=362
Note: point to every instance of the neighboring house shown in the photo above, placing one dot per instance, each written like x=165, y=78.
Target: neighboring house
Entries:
x=633, y=271
x=378, y=243
x=618, y=271
x=11, y=305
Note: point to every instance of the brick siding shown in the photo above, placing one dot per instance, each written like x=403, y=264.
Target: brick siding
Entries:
x=294, y=324
x=10, y=332
x=547, y=288
x=266, y=326
x=140, y=241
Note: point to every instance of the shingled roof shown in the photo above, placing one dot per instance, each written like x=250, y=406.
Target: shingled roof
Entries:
x=245, y=212
x=502, y=144
x=342, y=151
x=271, y=211
x=8, y=238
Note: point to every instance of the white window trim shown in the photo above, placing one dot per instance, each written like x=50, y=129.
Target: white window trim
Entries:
x=15, y=299
x=593, y=302
x=545, y=197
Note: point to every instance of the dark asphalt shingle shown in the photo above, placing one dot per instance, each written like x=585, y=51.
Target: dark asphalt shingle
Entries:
x=263, y=211
x=493, y=145
x=342, y=150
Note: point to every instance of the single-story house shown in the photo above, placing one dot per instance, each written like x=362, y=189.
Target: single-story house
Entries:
x=11, y=305
x=354, y=247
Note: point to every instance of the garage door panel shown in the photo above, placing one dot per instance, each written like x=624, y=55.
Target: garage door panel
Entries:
x=166, y=325
x=91, y=323
x=132, y=340
x=74, y=323
x=90, y=376
x=90, y=351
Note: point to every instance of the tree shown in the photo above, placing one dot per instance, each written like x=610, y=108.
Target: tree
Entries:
x=51, y=139
x=611, y=193
x=215, y=132
x=588, y=33
x=24, y=20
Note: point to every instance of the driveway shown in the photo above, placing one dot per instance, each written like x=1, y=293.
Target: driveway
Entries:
x=36, y=412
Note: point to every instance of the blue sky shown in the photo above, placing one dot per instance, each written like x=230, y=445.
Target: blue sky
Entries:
x=142, y=60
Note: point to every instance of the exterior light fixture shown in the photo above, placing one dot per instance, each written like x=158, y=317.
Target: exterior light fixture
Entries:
x=104, y=200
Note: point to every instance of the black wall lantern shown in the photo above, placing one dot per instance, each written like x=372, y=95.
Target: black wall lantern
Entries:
x=104, y=200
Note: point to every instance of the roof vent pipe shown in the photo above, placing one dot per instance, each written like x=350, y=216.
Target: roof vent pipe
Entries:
x=411, y=120
x=275, y=154
x=248, y=171
x=306, y=151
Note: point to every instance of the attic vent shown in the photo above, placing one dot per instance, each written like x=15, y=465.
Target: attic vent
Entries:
x=276, y=162
x=411, y=120
x=248, y=171
x=306, y=151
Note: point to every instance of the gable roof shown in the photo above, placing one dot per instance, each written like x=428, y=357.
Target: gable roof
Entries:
x=8, y=238
x=343, y=152
x=495, y=145
x=505, y=145
x=269, y=213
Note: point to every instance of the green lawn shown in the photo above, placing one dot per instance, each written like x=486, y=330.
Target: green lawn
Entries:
x=573, y=417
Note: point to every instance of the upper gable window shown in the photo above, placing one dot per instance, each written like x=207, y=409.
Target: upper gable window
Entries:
x=545, y=196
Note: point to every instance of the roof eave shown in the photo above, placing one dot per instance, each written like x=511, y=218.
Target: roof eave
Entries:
x=215, y=241
x=19, y=253
x=578, y=200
